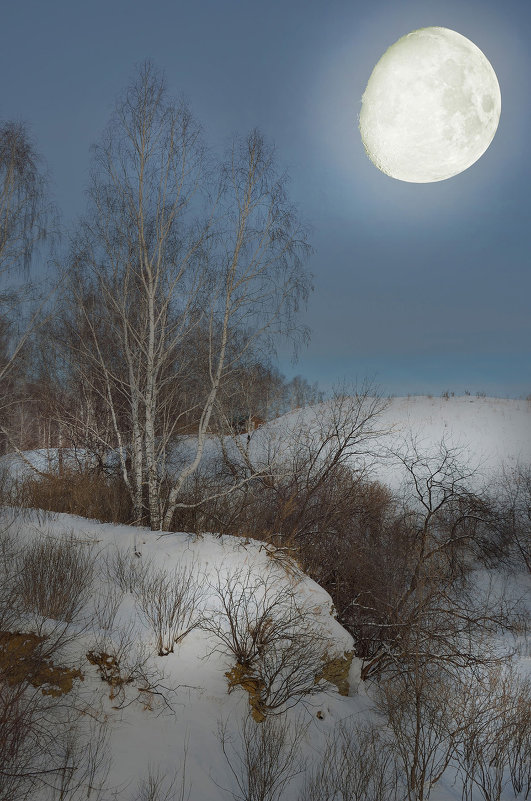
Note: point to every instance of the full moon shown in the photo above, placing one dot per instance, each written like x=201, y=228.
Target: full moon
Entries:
x=431, y=106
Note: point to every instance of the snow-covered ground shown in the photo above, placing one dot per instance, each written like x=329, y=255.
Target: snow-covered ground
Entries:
x=182, y=734
x=488, y=434
x=156, y=731
x=491, y=432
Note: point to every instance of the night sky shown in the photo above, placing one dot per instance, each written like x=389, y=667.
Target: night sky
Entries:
x=421, y=287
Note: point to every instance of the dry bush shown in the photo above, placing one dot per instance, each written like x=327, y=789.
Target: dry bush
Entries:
x=81, y=757
x=158, y=786
x=127, y=568
x=106, y=602
x=278, y=490
x=33, y=742
x=123, y=661
x=120, y=657
x=37, y=709
x=8, y=546
x=361, y=556
x=421, y=715
x=18, y=741
x=253, y=613
x=45, y=751
x=477, y=723
x=309, y=497
x=398, y=568
x=495, y=749
x=55, y=577
x=278, y=653
x=405, y=591
x=206, y=503
x=508, y=537
x=390, y=600
x=353, y=540
x=283, y=674
x=170, y=603
x=357, y=765
x=347, y=533
x=263, y=758
x=10, y=606
x=82, y=491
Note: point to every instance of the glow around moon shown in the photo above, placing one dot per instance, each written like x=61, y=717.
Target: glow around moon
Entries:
x=431, y=106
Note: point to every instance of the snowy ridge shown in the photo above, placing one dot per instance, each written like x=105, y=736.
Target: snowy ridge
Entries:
x=490, y=433
x=144, y=731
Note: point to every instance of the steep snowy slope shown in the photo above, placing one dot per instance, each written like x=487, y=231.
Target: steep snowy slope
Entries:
x=173, y=726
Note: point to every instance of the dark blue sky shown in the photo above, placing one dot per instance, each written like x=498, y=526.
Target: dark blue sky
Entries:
x=424, y=287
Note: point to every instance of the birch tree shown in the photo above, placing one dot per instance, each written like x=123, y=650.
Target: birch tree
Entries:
x=27, y=219
x=178, y=269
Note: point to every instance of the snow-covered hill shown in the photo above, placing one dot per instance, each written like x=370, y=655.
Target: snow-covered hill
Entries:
x=172, y=727
x=492, y=431
x=489, y=434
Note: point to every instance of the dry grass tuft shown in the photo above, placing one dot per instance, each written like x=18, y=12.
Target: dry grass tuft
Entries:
x=55, y=577
x=79, y=492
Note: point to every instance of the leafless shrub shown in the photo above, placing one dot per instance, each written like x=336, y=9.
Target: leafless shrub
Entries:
x=127, y=568
x=122, y=662
x=414, y=596
x=288, y=671
x=158, y=786
x=254, y=611
x=8, y=548
x=520, y=741
x=170, y=604
x=357, y=765
x=496, y=734
x=263, y=758
x=18, y=741
x=277, y=651
x=106, y=605
x=10, y=606
x=48, y=750
x=509, y=539
x=420, y=713
x=55, y=577
x=79, y=491
x=293, y=496
x=477, y=722
x=81, y=753
x=40, y=722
